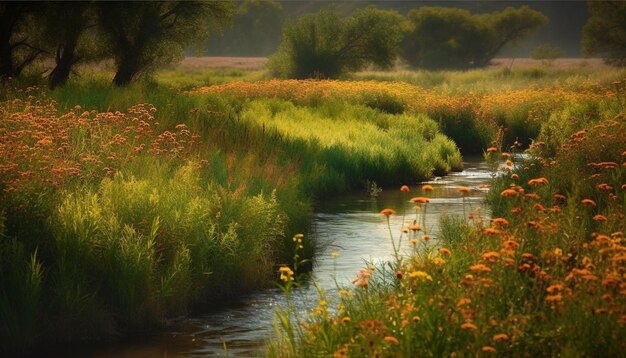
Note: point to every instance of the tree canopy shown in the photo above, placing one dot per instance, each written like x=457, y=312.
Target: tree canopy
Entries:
x=605, y=32
x=256, y=30
x=441, y=37
x=18, y=47
x=142, y=35
x=328, y=45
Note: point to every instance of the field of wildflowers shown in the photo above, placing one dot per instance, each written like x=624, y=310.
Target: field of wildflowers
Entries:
x=122, y=206
x=543, y=276
x=472, y=116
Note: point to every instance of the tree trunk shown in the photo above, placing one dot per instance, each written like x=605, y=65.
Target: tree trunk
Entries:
x=60, y=74
x=6, y=62
x=126, y=70
x=65, y=59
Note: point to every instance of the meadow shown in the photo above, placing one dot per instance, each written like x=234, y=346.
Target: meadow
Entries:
x=123, y=206
x=543, y=275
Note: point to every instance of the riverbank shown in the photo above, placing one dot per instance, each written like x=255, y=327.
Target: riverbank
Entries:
x=122, y=206
x=543, y=276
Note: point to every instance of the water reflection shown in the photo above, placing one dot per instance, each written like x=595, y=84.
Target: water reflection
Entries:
x=349, y=225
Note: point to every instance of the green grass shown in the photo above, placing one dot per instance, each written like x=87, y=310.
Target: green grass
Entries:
x=122, y=206
x=140, y=202
x=543, y=278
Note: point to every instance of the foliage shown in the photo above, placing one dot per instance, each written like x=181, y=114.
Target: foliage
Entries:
x=454, y=38
x=546, y=53
x=67, y=36
x=605, y=31
x=473, y=120
x=18, y=37
x=121, y=213
x=256, y=30
x=326, y=45
x=144, y=35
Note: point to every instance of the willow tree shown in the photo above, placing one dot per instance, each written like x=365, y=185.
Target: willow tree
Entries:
x=66, y=26
x=605, y=31
x=441, y=37
x=327, y=45
x=18, y=37
x=144, y=35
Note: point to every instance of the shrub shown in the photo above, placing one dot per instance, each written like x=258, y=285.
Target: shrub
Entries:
x=326, y=45
x=454, y=38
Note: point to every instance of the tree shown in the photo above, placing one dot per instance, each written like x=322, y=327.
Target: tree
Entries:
x=454, y=38
x=17, y=38
x=257, y=26
x=605, y=31
x=65, y=27
x=546, y=53
x=327, y=45
x=144, y=35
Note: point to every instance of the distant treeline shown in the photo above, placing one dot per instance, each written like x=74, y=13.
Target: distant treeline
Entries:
x=308, y=39
x=257, y=24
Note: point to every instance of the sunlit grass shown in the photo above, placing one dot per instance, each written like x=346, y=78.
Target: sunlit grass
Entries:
x=543, y=276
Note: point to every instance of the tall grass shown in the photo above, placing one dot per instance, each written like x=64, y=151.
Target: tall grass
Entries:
x=543, y=276
x=122, y=206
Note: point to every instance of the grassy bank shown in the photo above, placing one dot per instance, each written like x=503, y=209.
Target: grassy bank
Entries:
x=544, y=276
x=475, y=109
x=122, y=206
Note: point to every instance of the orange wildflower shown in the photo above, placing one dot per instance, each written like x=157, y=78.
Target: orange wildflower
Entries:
x=491, y=256
x=445, y=252
x=469, y=326
x=463, y=301
x=492, y=150
x=427, y=187
x=532, y=196
x=479, y=268
x=510, y=245
x=500, y=337
x=420, y=200
x=588, y=202
x=391, y=340
x=490, y=231
x=500, y=221
x=554, y=288
x=554, y=298
x=463, y=189
x=405, y=189
x=508, y=193
x=599, y=218
x=388, y=212
x=488, y=349
x=538, y=181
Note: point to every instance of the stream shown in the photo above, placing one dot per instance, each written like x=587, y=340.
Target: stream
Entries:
x=351, y=227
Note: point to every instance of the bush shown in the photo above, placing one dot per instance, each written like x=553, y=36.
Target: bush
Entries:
x=454, y=38
x=326, y=45
x=546, y=53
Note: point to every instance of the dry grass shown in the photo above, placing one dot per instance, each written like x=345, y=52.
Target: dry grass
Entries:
x=242, y=63
x=257, y=63
x=561, y=63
